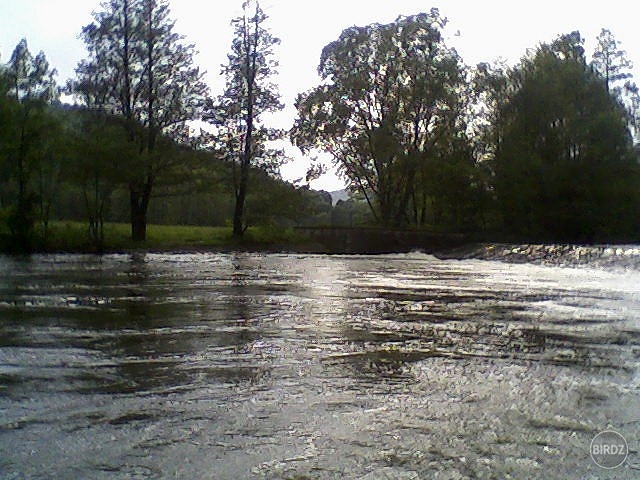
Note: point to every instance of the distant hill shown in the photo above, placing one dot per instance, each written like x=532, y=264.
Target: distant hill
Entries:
x=339, y=195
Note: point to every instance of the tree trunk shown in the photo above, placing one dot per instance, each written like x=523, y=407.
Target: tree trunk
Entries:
x=140, y=196
x=241, y=195
x=423, y=213
x=138, y=220
x=238, y=212
x=22, y=222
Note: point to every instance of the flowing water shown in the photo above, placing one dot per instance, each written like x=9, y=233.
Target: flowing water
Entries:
x=233, y=366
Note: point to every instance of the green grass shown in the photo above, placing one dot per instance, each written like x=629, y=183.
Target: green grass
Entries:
x=73, y=236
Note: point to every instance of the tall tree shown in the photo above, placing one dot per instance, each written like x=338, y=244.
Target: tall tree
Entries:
x=249, y=93
x=6, y=110
x=613, y=65
x=29, y=83
x=610, y=60
x=140, y=69
x=564, y=165
x=389, y=94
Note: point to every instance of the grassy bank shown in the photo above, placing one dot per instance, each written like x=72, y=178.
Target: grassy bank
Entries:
x=73, y=237
x=67, y=236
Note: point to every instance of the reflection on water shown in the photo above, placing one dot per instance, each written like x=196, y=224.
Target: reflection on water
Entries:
x=295, y=366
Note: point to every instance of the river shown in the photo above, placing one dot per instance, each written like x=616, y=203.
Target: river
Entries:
x=267, y=366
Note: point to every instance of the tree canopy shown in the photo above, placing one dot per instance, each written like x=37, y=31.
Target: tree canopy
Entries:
x=542, y=150
x=390, y=94
x=564, y=160
x=27, y=86
x=140, y=69
x=609, y=60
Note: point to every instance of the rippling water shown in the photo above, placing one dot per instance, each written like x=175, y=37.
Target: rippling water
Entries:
x=212, y=366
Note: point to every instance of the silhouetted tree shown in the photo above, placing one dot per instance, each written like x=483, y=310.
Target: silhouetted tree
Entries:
x=564, y=163
x=140, y=69
x=453, y=186
x=241, y=137
x=609, y=60
x=389, y=94
x=613, y=65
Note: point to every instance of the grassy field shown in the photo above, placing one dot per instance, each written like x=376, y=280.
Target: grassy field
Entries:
x=73, y=237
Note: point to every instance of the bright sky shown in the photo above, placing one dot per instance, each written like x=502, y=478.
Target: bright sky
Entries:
x=488, y=29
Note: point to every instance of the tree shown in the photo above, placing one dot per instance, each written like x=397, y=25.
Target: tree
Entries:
x=52, y=151
x=249, y=93
x=564, y=165
x=6, y=109
x=139, y=69
x=30, y=87
x=389, y=93
x=609, y=60
x=453, y=186
x=96, y=152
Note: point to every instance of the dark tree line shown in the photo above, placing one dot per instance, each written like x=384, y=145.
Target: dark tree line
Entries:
x=540, y=150
x=564, y=161
x=137, y=91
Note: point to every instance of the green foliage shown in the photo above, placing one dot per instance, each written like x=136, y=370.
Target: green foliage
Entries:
x=271, y=236
x=27, y=88
x=98, y=161
x=350, y=213
x=455, y=187
x=140, y=69
x=272, y=202
x=540, y=151
x=564, y=164
x=389, y=93
x=207, y=198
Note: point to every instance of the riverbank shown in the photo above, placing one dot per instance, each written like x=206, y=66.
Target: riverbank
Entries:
x=72, y=237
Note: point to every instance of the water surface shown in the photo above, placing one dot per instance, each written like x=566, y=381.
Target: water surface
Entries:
x=222, y=366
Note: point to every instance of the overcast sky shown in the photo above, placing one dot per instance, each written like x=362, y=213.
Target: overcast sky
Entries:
x=487, y=29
